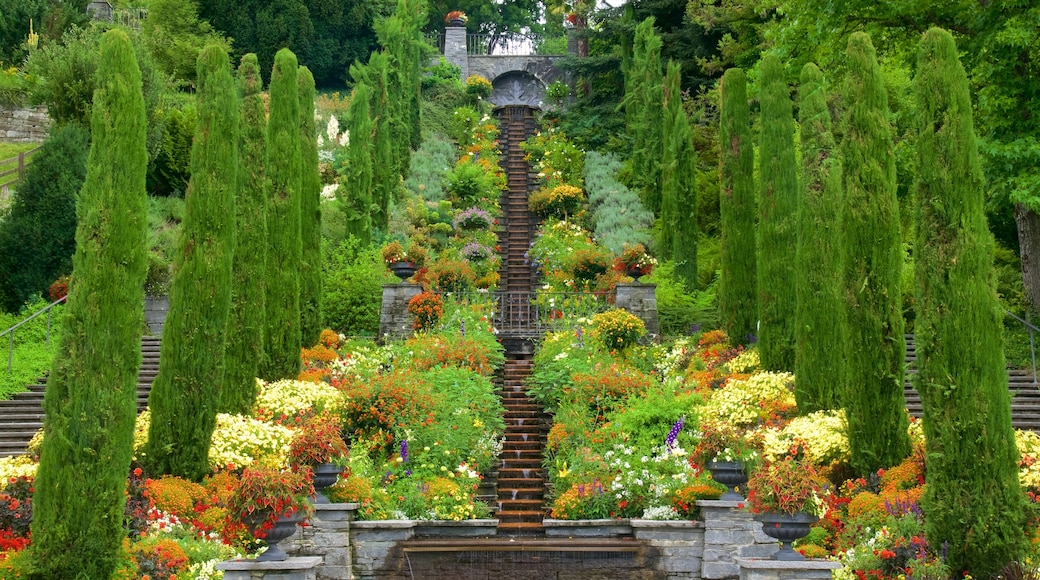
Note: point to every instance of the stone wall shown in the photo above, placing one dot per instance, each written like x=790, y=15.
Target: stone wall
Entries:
x=641, y=300
x=730, y=533
x=24, y=125
x=394, y=319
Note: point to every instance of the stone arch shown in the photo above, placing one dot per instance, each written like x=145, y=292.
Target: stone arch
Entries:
x=532, y=73
x=517, y=88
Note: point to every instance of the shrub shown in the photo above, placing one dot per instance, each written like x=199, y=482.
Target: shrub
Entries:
x=426, y=309
x=375, y=411
x=451, y=276
x=559, y=202
x=616, y=213
x=478, y=87
x=353, y=288
x=588, y=264
x=292, y=402
x=617, y=329
x=174, y=495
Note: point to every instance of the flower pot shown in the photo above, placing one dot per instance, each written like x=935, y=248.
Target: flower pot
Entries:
x=325, y=476
x=284, y=527
x=634, y=273
x=403, y=270
x=456, y=22
x=731, y=474
x=786, y=528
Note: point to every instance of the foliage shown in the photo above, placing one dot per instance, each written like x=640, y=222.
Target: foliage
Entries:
x=478, y=87
x=170, y=170
x=643, y=113
x=269, y=493
x=719, y=441
x=616, y=213
x=37, y=237
x=245, y=329
x=77, y=516
x=617, y=329
x=186, y=392
x=753, y=400
x=677, y=236
x=871, y=257
x=787, y=486
x=777, y=217
x=317, y=441
x=426, y=309
x=292, y=402
x=31, y=356
x=966, y=429
x=282, y=298
x=449, y=275
x=635, y=257
x=353, y=288
x=819, y=316
x=738, y=287
x=554, y=157
x=429, y=163
x=310, y=214
x=176, y=36
x=559, y=202
x=818, y=437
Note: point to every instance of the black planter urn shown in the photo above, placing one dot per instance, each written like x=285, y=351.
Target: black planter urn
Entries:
x=786, y=528
x=325, y=476
x=731, y=474
x=403, y=270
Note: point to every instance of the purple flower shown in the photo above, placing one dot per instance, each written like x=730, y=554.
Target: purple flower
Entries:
x=404, y=450
x=462, y=328
x=669, y=442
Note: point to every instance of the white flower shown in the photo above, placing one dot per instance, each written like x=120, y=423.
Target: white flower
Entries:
x=344, y=139
x=332, y=129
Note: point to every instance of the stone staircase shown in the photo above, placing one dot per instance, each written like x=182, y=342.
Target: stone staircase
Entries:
x=22, y=416
x=1025, y=394
x=521, y=477
x=517, y=225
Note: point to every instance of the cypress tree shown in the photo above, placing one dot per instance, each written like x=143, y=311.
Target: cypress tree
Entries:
x=973, y=501
x=819, y=315
x=282, y=299
x=644, y=98
x=871, y=264
x=738, y=288
x=355, y=192
x=91, y=396
x=385, y=177
x=777, y=221
x=186, y=391
x=245, y=329
x=310, y=215
x=677, y=239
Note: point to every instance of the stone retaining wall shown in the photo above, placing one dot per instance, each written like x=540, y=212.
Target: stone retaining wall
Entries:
x=24, y=125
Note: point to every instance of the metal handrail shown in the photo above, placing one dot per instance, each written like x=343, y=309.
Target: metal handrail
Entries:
x=1032, y=343
x=533, y=313
x=10, y=331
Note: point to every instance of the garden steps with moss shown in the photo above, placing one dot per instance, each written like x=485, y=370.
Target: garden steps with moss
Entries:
x=521, y=478
x=22, y=415
x=1025, y=393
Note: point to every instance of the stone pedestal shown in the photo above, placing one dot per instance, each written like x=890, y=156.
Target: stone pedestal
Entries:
x=755, y=569
x=679, y=544
x=730, y=534
x=641, y=300
x=394, y=320
x=455, y=48
x=327, y=538
x=373, y=545
x=290, y=569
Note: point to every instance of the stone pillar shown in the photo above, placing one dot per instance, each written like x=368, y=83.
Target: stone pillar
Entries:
x=289, y=569
x=328, y=538
x=641, y=300
x=730, y=533
x=572, y=41
x=680, y=545
x=776, y=570
x=394, y=320
x=373, y=544
x=455, y=48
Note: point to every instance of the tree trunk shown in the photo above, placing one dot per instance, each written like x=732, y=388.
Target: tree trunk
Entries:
x=1029, y=243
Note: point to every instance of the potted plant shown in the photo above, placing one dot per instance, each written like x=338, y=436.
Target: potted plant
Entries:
x=634, y=261
x=784, y=495
x=456, y=18
x=727, y=454
x=402, y=262
x=269, y=503
x=315, y=445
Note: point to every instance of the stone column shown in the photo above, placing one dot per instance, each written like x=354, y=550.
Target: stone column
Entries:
x=455, y=48
x=641, y=300
x=730, y=533
x=328, y=538
x=290, y=569
x=394, y=320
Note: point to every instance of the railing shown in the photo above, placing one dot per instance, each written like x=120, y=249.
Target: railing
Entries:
x=534, y=313
x=10, y=331
x=515, y=44
x=1032, y=341
x=20, y=162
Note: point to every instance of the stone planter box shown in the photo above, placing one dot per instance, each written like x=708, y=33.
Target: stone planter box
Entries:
x=757, y=569
x=587, y=528
x=679, y=544
x=454, y=529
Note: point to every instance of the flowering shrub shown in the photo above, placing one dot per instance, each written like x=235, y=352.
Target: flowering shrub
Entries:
x=174, y=495
x=15, y=467
x=240, y=441
x=719, y=441
x=159, y=558
x=587, y=264
x=634, y=258
x=756, y=399
x=427, y=352
x=554, y=157
x=59, y=288
x=617, y=329
x=16, y=508
x=820, y=437
x=473, y=218
x=558, y=202
x=478, y=86
x=476, y=252
x=604, y=386
x=291, y=402
x=684, y=499
x=455, y=15
x=451, y=275
x=270, y=494
x=426, y=309
x=376, y=410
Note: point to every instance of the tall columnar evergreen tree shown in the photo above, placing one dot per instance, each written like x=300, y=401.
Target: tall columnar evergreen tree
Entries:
x=401, y=38
x=871, y=262
x=310, y=215
x=643, y=109
x=282, y=299
x=91, y=397
x=245, y=329
x=777, y=221
x=385, y=176
x=738, y=288
x=820, y=314
x=186, y=392
x=973, y=501
x=355, y=192
x=677, y=236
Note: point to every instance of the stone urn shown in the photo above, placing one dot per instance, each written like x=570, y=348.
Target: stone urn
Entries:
x=786, y=528
x=403, y=270
x=325, y=476
x=731, y=474
x=283, y=527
